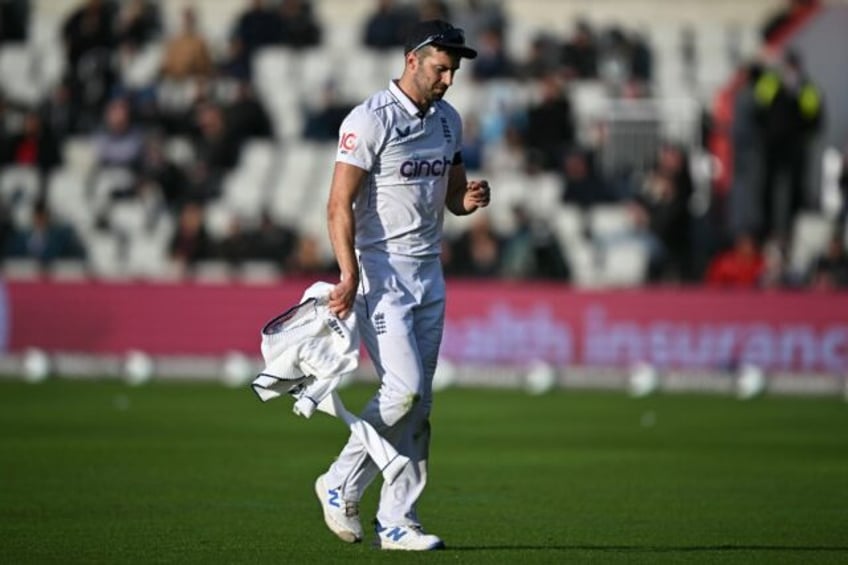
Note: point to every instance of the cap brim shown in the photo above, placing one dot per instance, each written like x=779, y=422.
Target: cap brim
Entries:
x=463, y=51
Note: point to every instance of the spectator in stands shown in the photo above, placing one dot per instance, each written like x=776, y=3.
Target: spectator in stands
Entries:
x=88, y=39
x=322, y=122
x=789, y=113
x=741, y=266
x=664, y=196
x=118, y=142
x=542, y=60
x=272, y=241
x=477, y=251
x=203, y=183
x=434, y=10
x=255, y=28
x=299, y=27
x=387, y=25
x=190, y=242
x=477, y=17
x=830, y=271
x=506, y=153
x=61, y=115
x=492, y=61
x=583, y=184
x=45, y=239
x=308, y=261
x=744, y=207
x=579, y=57
x=246, y=116
x=187, y=54
x=215, y=143
x=531, y=251
x=35, y=146
x=88, y=29
x=14, y=21
x=472, y=143
x=139, y=23
x=159, y=172
x=549, y=130
x=615, y=58
x=234, y=247
x=641, y=59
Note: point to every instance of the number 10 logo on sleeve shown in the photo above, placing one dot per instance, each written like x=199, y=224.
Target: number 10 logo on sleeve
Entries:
x=347, y=141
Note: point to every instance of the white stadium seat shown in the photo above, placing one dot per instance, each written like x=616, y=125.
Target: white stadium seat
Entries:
x=810, y=236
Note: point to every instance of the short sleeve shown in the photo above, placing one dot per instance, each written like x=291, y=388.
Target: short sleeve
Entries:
x=360, y=138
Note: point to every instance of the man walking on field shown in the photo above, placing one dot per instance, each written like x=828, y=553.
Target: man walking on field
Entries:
x=397, y=168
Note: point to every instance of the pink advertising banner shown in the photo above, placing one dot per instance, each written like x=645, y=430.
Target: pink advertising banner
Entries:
x=488, y=323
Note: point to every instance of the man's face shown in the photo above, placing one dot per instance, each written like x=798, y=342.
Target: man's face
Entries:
x=433, y=71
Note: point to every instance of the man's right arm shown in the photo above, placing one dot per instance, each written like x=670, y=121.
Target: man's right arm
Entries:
x=342, y=228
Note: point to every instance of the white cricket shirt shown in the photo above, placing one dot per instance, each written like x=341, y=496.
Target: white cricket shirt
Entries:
x=400, y=208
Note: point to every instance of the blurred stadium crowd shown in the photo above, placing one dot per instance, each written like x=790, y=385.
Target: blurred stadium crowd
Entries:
x=135, y=149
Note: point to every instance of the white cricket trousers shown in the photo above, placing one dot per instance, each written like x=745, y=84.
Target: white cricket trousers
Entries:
x=400, y=311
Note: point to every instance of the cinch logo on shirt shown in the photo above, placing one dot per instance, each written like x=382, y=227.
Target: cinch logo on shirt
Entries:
x=423, y=168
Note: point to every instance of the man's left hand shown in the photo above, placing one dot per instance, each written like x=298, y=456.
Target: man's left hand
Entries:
x=477, y=195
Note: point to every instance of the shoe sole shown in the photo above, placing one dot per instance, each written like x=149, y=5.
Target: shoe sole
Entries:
x=346, y=536
x=396, y=547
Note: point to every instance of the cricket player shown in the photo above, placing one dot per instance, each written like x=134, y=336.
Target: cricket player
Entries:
x=398, y=167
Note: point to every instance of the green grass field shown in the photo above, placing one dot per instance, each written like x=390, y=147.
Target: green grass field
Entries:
x=198, y=473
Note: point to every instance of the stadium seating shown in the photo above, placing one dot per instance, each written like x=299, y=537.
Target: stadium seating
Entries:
x=289, y=177
x=810, y=235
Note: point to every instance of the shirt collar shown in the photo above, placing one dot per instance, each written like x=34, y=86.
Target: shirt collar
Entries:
x=408, y=104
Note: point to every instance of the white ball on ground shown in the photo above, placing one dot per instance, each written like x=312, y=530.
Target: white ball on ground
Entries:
x=36, y=365
x=541, y=378
x=236, y=370
x=643, y=380
x=750, y=382
x=138, y=368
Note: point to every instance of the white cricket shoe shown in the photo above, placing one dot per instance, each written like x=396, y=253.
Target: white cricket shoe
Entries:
x=405, y=538
x=341, y=516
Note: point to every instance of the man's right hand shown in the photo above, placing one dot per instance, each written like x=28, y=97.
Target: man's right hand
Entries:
x=342, y=296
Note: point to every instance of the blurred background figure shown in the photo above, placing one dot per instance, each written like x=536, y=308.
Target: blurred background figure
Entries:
x=45, y=240
x=246, y=115
x=549, y=130
x=579, y=53
x=215, y=143
x=741, y=266
x=386, y=25
x=665, y=196
x=323, y=119
x=583, y=184
x=744, y=208
x=187, y=53
x=530, y=251
x=118, y=142
x=138, y=24
x=299, y=26
x=190, y=242
x=789, y=112
x=88, y=39
x=477, y=252
x=34, y=146
x=256, y=27
x=492, y=60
